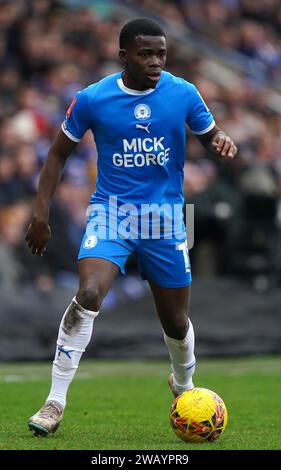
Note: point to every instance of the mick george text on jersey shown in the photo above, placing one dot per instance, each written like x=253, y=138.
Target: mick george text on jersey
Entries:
x=142, y=152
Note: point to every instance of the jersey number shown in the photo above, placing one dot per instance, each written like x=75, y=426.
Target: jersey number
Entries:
x=183, y=247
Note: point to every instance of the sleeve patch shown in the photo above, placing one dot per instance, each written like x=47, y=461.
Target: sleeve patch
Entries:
x=69, y=111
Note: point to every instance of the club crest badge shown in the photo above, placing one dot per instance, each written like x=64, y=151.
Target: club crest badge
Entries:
x=90, y=242
x=142, y=111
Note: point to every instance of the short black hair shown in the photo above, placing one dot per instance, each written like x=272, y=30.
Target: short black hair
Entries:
x=139, y=26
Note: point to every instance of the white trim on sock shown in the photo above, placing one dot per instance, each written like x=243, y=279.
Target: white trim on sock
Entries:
x=83, y=310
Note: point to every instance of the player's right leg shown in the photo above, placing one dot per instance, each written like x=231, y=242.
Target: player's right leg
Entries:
x=75, y=331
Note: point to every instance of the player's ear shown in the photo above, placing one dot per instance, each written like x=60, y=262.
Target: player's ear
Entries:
x=123, y=56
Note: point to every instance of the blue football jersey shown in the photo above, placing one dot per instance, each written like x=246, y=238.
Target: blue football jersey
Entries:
x=140, y=136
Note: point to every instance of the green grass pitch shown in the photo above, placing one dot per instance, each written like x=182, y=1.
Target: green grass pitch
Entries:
x=125, y=405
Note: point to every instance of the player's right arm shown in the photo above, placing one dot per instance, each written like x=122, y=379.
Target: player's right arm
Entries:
x=74, y=127
x=39, y=232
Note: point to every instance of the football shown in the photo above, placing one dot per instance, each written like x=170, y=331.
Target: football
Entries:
x=198, y=415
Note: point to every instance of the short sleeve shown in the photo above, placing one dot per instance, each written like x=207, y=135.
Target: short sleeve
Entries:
x=199, y=118
x=76, y=121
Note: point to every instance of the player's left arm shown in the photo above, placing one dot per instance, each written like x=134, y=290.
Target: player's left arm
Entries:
x=217, y=142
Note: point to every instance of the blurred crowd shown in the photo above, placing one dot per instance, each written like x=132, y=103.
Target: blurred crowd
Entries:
x=49, y=49
x=251, y=27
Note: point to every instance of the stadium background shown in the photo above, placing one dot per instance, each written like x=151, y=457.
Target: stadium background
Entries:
x=231, y=50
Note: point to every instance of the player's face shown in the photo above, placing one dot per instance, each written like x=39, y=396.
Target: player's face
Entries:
x=144, y=61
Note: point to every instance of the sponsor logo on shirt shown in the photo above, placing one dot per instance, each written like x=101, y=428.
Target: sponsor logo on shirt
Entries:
x=140, y=152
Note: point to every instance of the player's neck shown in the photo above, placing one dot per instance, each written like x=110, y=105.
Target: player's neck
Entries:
x=130, y=83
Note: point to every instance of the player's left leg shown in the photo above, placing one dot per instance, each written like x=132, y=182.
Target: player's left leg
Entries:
x=172, y=306
x=165, y=263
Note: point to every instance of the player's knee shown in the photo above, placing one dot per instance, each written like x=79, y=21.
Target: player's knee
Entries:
x=90, y=297
x=177, y=327
x=176, y=333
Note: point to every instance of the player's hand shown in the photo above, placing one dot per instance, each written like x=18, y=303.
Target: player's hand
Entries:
x=223, y=145
x=37, y=236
